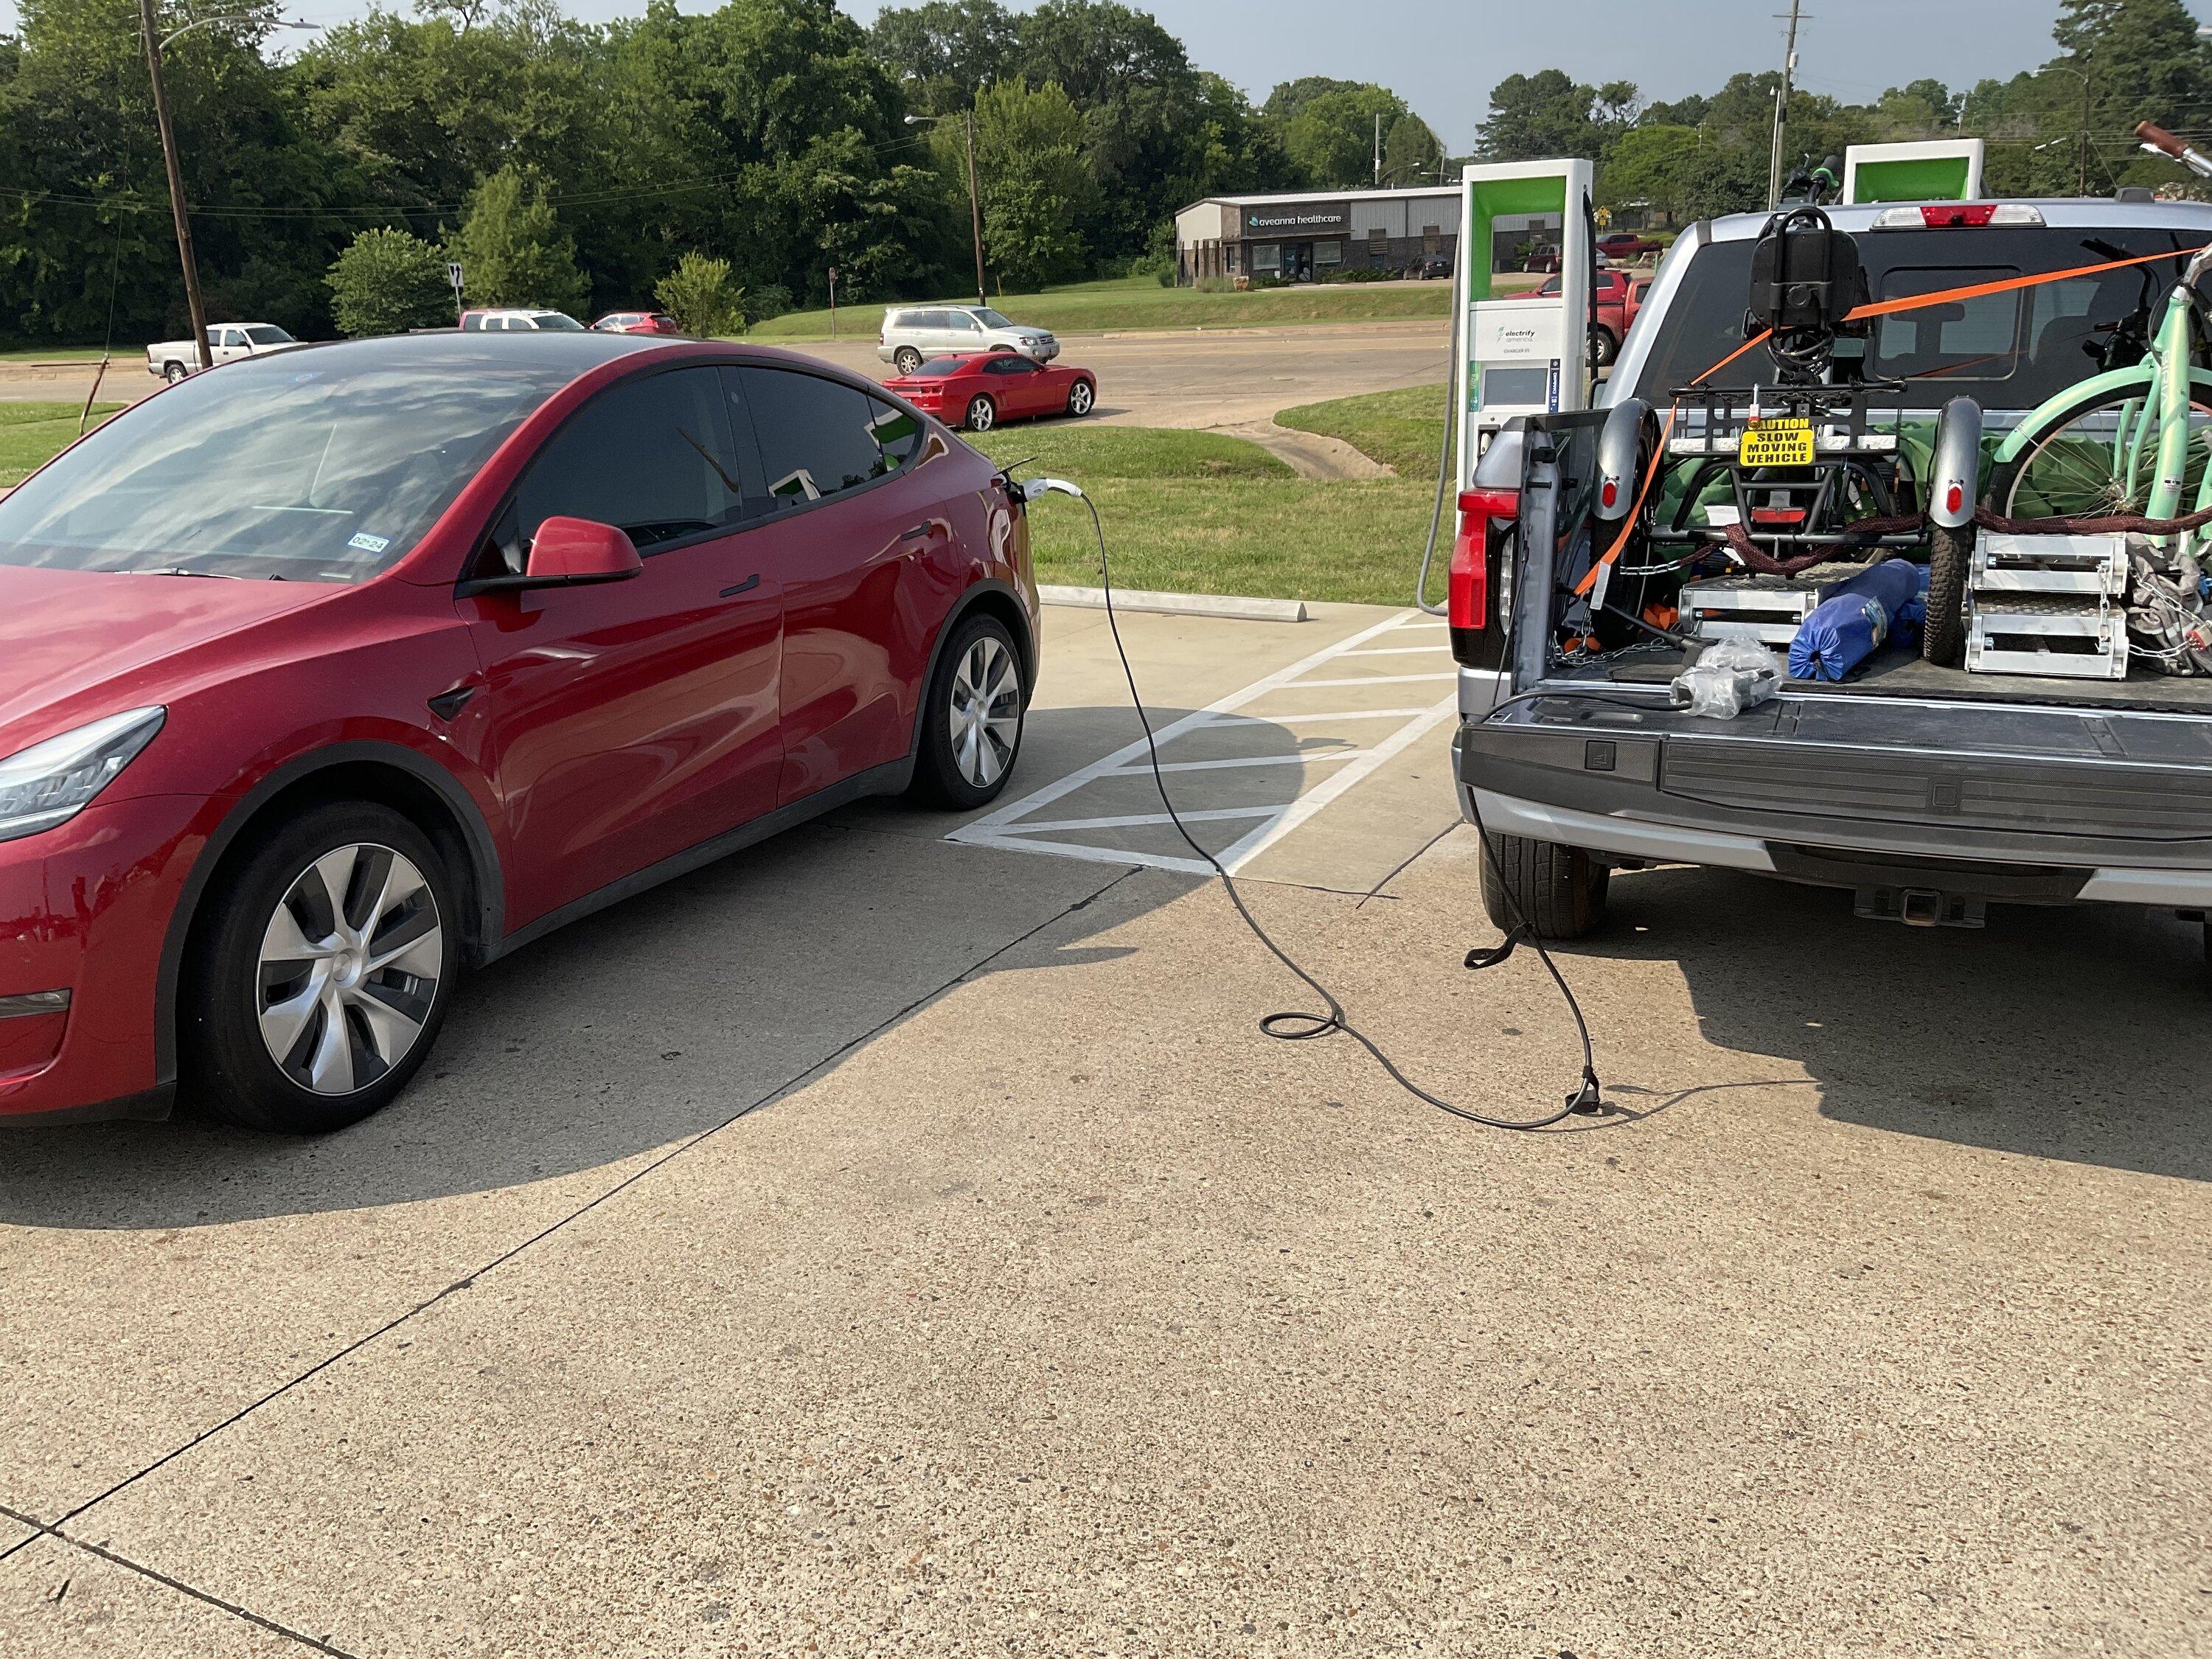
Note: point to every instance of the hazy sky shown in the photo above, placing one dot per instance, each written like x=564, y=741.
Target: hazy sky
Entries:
x=1443, y=56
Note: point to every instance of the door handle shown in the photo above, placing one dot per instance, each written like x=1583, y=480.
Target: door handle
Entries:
x=921, y=531
x=744, y=586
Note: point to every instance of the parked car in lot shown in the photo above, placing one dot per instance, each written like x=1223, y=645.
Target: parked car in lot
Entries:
x=978, y=392
x=171, y=360
x=1429, y=265
x=1616, y=300
x=913, y=334
x=638, y=322
x=324, y=680
x=1626, y=247
x=1545, y=256
x=519, y=319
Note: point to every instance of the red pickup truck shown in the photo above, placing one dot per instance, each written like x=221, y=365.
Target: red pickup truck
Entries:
x=1625, y=245
x=1616, y=299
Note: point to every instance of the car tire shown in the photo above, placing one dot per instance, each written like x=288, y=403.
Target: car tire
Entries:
x=982, y=414
x=174, y=372
x=906, y=360
x=1081, y=397
x=1604, y=347
x=1558, y=892
x=971, y=727
x=1944, y=634
x=379, y=959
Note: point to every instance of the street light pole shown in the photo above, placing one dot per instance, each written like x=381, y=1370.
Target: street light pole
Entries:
x=176, y=186
x=975, y=208
x=974, y=194
x=1781, y=111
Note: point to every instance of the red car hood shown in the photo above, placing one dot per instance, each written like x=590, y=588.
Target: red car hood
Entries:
x=75, y=646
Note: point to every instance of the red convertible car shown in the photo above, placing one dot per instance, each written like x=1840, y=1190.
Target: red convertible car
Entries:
x=980, y=391
x=330, y=674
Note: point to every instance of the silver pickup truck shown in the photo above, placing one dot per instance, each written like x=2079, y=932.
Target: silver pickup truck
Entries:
x=1926, y=790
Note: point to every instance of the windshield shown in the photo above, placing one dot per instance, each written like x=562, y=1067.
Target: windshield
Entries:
x=938, y=368
x=559, y=322
x=990, y=318
x=2008, y=352
x=322, y=464
x=269, y=334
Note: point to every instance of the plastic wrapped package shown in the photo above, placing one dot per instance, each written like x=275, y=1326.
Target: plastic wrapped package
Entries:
x=1730, y=676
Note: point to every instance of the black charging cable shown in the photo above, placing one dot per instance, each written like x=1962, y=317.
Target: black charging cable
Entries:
x=1296, y=1025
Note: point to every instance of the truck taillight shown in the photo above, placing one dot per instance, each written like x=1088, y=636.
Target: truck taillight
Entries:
x=1466, y=592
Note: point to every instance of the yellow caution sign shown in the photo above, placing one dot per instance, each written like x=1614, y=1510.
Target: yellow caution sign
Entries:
x=1776, y=443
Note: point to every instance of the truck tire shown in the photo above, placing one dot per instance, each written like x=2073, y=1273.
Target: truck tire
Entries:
x=1557, y=892
x=1603, y=348
x=1943, y=634
x=174, y=372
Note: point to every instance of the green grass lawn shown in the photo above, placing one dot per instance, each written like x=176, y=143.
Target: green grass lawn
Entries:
x=32, y=434
x=70, y=354
x=1197, y=513
x=1403, y=430
x=1142, y=303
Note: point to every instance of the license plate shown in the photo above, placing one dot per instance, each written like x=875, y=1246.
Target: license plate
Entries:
x=1776, y=443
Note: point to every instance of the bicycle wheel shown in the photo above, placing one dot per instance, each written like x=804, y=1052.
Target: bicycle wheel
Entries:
x=2091, y=458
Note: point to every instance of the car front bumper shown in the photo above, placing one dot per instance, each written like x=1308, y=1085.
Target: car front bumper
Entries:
x=84, y=918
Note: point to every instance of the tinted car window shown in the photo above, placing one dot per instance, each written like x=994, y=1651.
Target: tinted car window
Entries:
x=265, y=334
x=650, y=456
x=2010, y=355
x=819, y=436
x=325, y=464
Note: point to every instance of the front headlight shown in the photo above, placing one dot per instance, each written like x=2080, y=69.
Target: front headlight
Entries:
x=53, y=781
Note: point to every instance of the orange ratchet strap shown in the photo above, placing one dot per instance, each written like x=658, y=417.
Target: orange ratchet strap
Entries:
x=1875, y=308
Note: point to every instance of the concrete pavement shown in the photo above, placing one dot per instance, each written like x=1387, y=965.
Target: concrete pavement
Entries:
x=880, y=1243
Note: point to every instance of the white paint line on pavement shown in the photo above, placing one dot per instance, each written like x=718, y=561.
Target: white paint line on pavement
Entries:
x=1016, y=827
x=1313, y=800
x=1394, y=651
x=1130, y=820
x=1238, y=760
x=980, y=829
x=1379, y=679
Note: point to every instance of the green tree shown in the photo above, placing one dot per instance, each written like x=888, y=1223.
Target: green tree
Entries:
x=388, y=282
x=1036, y=189
x=512, y=249
x=1331, y=137
x=1412, y=153
x=949, y=47
x=702, y=299
x=1289, y=97
x=1549, y=113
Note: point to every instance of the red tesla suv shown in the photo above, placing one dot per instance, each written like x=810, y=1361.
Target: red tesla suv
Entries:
x=979, y=391
x=324, y=676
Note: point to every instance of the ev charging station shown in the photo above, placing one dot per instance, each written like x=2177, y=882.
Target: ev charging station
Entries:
x=1519, y=355
x=1938, y=170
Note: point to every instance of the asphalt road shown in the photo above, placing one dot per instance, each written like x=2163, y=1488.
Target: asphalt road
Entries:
x=887, y=1244
x=1199, y=379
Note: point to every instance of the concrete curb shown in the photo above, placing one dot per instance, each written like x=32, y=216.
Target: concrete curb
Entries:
x=1177, y=604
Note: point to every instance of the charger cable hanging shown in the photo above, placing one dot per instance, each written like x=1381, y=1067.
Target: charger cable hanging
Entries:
x=1300, y=1025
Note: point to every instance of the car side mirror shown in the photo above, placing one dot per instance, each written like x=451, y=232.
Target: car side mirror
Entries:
x=569, y=553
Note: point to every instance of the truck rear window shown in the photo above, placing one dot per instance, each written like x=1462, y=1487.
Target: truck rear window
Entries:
x=2008, y=352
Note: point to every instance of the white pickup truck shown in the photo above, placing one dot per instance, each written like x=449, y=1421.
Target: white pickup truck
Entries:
x=172, y=359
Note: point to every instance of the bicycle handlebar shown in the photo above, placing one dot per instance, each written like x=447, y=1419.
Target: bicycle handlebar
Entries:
x=2156, y=137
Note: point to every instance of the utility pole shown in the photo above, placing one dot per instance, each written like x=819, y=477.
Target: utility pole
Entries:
x=2082, y=167
x=176, y=186
x=1781, y=111
x=976, y=208
x=1378, y=150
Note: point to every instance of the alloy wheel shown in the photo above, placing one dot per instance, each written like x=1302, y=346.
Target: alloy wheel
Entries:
x=907, y=360
x=349, y=967
x=986, y=712
x=982, y=415
x=1079, y=400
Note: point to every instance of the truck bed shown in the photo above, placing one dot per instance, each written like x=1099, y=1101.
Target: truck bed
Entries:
x=1903, y=673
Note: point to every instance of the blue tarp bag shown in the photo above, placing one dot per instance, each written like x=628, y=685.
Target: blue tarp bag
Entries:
x=1850, y=624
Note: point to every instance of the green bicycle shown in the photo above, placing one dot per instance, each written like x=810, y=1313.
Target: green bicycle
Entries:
x=2135, y=440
